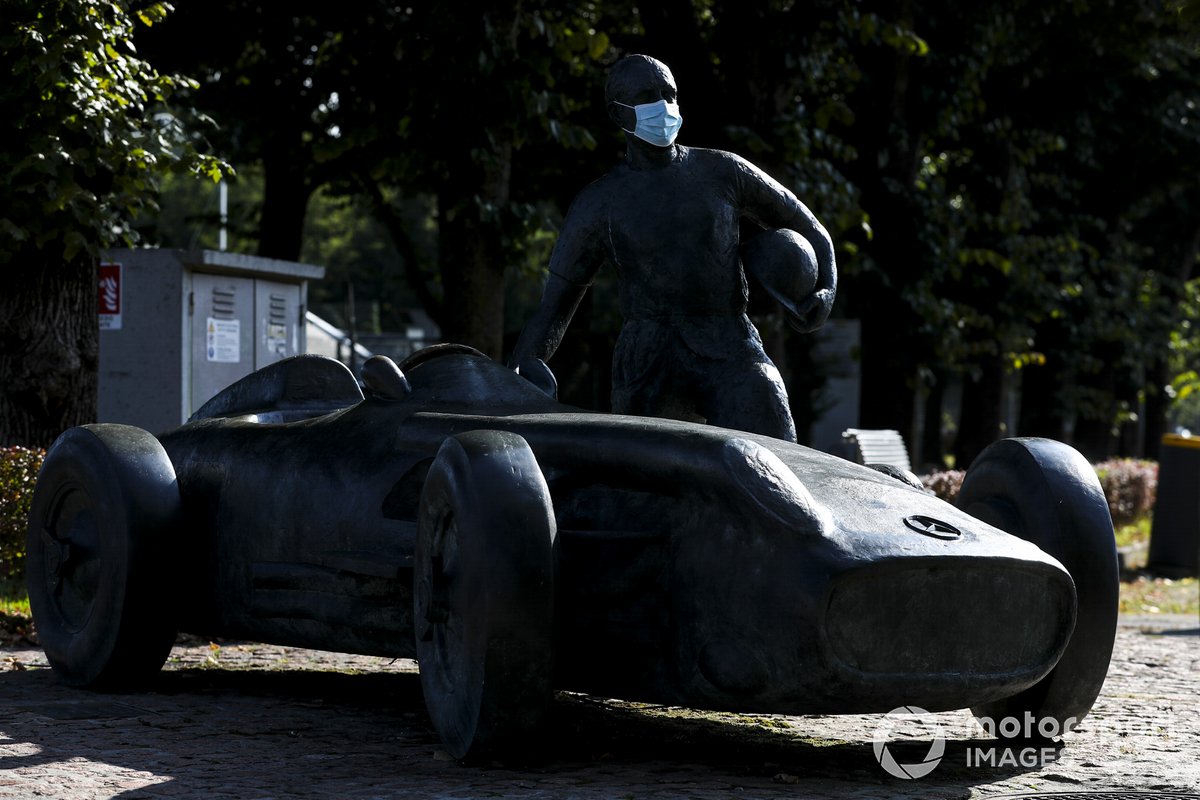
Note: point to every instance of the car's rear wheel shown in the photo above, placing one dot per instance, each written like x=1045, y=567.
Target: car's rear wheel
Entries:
x=484, y=594
x=1046, y=492
x=104, y=509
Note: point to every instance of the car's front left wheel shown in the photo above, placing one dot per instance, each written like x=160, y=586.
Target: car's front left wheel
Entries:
x=1047, y=493
x=484, y=594
x=105, y=508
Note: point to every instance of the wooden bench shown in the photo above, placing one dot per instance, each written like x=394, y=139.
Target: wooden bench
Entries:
x=878, y=447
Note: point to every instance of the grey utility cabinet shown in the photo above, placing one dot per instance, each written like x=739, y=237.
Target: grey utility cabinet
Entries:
x=177, y=326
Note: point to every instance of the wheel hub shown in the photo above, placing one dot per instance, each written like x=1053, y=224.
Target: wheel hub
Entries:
x=58, y=556
x=433, y=589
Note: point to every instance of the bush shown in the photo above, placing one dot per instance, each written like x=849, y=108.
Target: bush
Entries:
x=18, y=470
x=1130, y=487
x=945, y=483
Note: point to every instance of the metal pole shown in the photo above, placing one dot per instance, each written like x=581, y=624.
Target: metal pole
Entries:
x=352, y=324
x=223, y=239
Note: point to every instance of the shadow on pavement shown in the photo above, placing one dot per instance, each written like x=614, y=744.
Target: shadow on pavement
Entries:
x=325, y=734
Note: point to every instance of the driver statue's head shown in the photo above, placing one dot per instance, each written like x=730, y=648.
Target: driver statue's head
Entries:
x=641, y=97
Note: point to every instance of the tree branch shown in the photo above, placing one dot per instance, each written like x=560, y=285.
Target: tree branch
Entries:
x=418, y=278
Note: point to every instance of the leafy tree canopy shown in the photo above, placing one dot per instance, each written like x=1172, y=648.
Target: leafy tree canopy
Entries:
x=88, y=130
x=1011, y=185
x=88, y=133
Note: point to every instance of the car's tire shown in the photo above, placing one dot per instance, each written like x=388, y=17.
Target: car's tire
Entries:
x=1047, y=493
x=484, y=594
x=104, y=513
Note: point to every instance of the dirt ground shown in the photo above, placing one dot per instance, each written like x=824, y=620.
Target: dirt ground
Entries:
x=251, y=721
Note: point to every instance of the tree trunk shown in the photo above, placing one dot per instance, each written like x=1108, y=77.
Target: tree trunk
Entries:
x=473, y=280
x=1094, y=428
x=887, y=395
x=1156, y=408
x=982, y=411
x=49, y=344
x=1094, y=438
x=285, y=202
x=471, y=253
x=932, y=452
x=892, y=348
x=888, y=136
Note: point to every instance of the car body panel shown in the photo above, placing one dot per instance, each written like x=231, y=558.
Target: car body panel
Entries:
x=696, y=565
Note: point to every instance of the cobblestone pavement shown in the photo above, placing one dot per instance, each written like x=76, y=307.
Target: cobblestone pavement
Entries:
x=251, y=721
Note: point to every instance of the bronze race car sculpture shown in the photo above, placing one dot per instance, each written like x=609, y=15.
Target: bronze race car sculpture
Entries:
x=459, y=514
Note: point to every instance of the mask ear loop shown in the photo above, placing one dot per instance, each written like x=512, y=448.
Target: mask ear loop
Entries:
x=618, y=102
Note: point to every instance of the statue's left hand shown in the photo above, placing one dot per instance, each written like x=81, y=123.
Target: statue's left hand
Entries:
x=812, y=312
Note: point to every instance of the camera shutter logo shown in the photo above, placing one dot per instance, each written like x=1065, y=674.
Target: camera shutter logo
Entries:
x=883, y=735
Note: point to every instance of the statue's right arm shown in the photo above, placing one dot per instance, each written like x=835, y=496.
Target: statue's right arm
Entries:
x=769, y=203
x=578, y=255
x=544, y=332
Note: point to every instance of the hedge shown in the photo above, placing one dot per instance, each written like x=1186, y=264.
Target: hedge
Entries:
x=18, y=470
x=1130, y=487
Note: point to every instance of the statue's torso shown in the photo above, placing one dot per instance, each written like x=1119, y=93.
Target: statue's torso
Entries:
x=673, y=235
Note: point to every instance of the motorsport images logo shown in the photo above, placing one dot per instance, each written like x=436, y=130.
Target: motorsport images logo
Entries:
x=909, y=742
x=896, y=755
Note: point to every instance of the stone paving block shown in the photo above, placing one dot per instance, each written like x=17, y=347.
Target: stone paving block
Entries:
x=250, y=721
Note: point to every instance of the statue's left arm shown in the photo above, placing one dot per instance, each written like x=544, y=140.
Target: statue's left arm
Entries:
x=772, y=205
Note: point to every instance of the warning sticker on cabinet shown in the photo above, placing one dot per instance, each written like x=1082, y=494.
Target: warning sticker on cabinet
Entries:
x=224, y=337
x=277, y=339
x=109, y=300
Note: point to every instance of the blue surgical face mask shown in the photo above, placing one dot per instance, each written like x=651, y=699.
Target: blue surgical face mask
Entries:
x=657, y=123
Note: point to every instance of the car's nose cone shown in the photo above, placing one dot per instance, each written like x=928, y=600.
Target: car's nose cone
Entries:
x=928, y=620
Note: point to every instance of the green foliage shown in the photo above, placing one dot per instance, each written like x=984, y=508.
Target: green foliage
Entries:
x=18, y=471
x=1011, y=186
x=474, y=115
x=1024, y=167
x=1032, y=186
x=190, y=216
x=344, y=236
x=1184, y=362
x=16, y=620
x=88, y=128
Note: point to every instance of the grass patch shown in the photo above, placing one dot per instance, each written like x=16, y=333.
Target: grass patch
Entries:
x=16, y=623
x=14, y=601
x=1145, y=593
x=1149, y=595
x=1136, y=532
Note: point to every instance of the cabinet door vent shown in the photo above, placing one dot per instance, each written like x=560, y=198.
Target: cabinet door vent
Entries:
x=224, y=303
x=278, y=309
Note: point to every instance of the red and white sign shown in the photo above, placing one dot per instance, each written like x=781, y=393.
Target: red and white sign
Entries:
x=110, y=297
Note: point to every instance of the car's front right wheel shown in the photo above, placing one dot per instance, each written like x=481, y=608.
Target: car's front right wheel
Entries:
x=104, y=514
x=484, y=594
